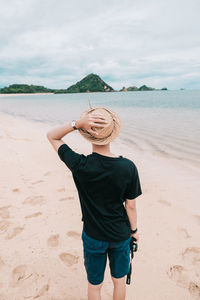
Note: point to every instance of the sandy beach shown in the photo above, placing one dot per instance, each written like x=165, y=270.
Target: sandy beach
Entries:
x=24, y=94
x=40, y=221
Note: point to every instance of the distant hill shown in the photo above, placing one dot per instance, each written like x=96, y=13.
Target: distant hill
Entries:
x=145, y=88
x=90, y=83
x=132, y=88
x=142, y=88
x=25, y=88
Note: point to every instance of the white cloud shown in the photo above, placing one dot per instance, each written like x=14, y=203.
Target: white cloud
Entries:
x=56, y=43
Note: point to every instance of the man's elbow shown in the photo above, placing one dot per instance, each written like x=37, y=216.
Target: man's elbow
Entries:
x=49, y=136
x=130, y=204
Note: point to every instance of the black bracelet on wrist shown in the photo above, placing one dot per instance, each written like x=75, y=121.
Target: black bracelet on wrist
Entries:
x=134, y=231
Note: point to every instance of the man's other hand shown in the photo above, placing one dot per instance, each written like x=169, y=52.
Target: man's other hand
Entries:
x=136, y=236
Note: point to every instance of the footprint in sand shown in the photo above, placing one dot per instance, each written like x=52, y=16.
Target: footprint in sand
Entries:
x=37, y=214
x=53, y=240
x=164, y=202
x=42, y=291
x=188, y=274
x=14, y=232
x=69, y=259
x=192, y=256
x=194, y=289
x=15, y=190
x=184, y=233
x=4, y=212
x=179, y=274
x=66, y=198
x=38, y=181
x=4, y=225
x=74, y=234
x=18, y=275
x=34, y=200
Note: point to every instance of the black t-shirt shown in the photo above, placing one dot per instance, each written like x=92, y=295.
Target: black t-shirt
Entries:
x=103, y=184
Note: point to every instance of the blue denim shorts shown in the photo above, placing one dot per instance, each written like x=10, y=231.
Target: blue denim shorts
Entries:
x=95, y=258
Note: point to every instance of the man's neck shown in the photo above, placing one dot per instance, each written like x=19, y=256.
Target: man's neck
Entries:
x=103, y=150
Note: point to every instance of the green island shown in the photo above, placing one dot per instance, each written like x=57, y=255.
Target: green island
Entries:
x=25, y=88
x=142, y=88
x=90, y=83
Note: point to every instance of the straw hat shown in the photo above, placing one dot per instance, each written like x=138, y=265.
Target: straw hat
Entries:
x=105, y=134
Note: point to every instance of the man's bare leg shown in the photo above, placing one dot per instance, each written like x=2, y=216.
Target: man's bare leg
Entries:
x=119, y=292
x=94, y=291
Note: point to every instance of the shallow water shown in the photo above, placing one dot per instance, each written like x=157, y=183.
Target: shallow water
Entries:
x=165, y=122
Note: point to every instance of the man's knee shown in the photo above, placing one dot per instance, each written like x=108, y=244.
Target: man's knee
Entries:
x=95, y=286
x=118, y=281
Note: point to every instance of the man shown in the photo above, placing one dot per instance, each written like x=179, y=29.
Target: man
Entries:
x=105, y=182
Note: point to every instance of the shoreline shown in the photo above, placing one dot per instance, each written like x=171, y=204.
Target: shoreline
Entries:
x=38, y=192
x=24, y=94
x=159, y=153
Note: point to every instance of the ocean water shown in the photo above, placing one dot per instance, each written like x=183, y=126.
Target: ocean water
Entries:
x=165, y=122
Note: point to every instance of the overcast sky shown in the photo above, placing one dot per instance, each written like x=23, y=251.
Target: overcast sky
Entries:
x=56, y=43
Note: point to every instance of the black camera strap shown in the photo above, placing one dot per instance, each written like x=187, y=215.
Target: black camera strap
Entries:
x=133, y=248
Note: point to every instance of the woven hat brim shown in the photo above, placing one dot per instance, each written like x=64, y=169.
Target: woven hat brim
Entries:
x=108, y=139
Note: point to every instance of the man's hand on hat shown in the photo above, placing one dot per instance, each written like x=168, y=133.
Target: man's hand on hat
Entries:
x=90, y=121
